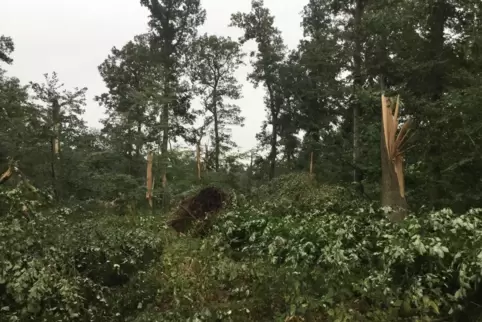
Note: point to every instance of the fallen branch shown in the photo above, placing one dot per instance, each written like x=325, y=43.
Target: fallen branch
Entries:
x=7, y=174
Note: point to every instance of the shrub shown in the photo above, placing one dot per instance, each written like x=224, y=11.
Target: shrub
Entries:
x=54, y=269
x=357, y=261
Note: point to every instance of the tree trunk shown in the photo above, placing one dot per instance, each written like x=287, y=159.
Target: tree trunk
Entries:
x=139, y=140
x=274, y=134
x=165, y=142
x=55, y=146
x=53, y=174
x=357, y=84
x=436, y=21
x=128, y=150
x=390, y=190
x=390, y=194
x=274, y=139
x=217, y=142
x=164, y=150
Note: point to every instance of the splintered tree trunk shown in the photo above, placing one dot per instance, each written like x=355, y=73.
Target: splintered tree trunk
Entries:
x=7, y=174
x=390, y=190
x=392, y=146
x=149, y=179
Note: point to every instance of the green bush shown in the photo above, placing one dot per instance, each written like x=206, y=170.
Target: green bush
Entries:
x=293, y=248
x=427, y=266
x=55, y=269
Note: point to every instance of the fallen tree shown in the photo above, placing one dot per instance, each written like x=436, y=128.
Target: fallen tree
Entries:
x=197, y=209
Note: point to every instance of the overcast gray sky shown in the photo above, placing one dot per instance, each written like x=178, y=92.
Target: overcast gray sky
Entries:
x=73, y=37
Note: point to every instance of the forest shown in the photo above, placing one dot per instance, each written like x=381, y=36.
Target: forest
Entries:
x=362, y=200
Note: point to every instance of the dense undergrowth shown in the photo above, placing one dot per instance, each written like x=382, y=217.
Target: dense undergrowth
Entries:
x=293, y=250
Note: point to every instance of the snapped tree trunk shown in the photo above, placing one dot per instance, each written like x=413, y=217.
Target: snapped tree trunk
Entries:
x=391, y=149
x=390, y=191
x=149, y=179
x=7, y=174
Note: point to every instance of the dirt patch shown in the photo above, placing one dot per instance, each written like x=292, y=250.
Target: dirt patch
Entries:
x=198, y=209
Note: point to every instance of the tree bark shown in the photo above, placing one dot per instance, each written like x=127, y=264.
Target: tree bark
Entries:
x=165, y=142
x=139, y=139
x=436, y=24
x=357, y=84
x=217, y=148
x=55, y=146
x=274, y=132
x=274, y=150
x=390, y=190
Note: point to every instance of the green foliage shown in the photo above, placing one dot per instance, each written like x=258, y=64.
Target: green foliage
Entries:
x=133, y=82
x=293, y=248
x=267, y=63
x=214, y=62
x=297, y=247
x=54, y=267
x=426, y=268
x=6, y=48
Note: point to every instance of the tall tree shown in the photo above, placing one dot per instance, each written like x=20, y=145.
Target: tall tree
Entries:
x=258, y=25
x=174, y=25
x=20, y=133
x=61, y=114
x=411, y=54
x=327, y=56
x=215, y=61
x=132, y=104
x=357, y=84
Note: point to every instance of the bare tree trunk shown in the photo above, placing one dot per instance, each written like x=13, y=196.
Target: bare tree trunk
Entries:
x=149, y=179
x=139, y=139
x=390, y=191
x=357, y=84
x=274, y=135
x=164, y=151
x=55, y=146
x=250, y=170
x=437, y=22
x=217, y=142
x=198, y=159
x=273, y=152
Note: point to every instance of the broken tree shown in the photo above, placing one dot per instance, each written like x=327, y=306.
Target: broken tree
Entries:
x=392, y=146
x=149, y=179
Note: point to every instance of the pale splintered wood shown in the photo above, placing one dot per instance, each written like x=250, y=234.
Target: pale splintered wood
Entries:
x=150, y=182
x=395, y=142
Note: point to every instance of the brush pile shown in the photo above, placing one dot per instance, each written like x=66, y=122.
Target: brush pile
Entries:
x=197, y=209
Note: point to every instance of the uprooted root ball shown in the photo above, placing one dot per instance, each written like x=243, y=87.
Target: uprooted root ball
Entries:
x=197, y=210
